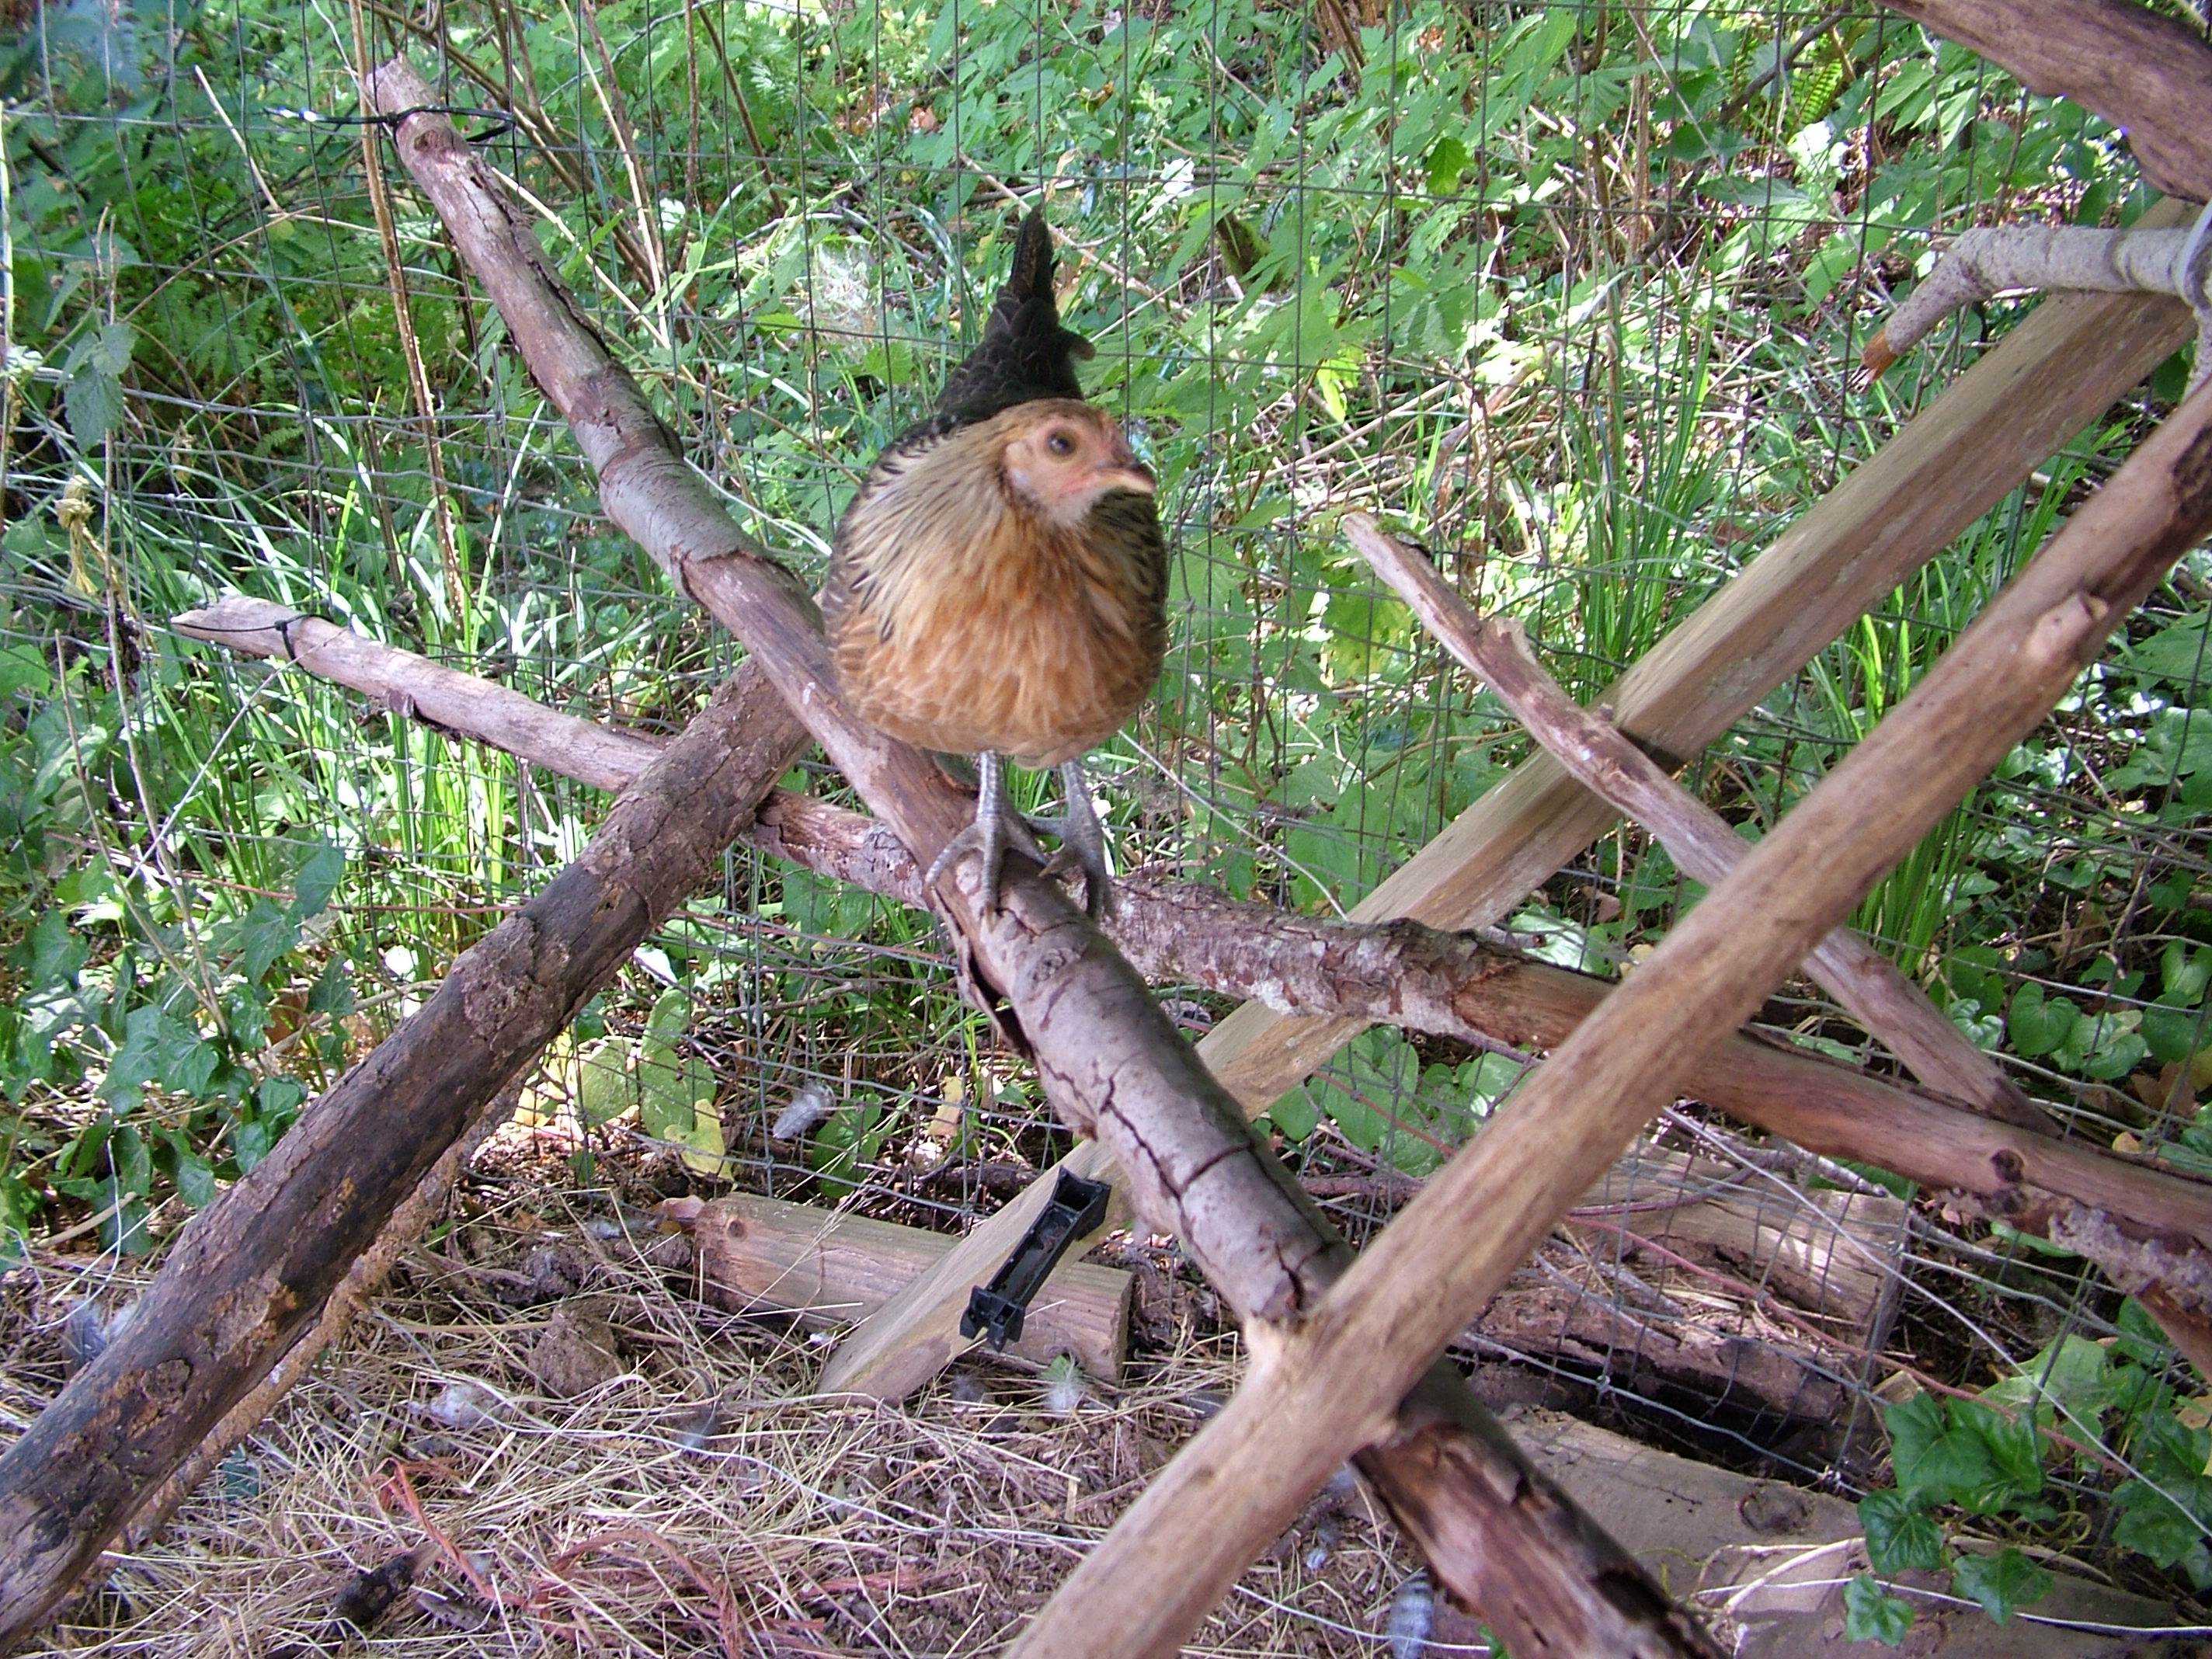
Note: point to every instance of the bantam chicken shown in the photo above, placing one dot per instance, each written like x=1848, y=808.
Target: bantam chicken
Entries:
x=998, y=586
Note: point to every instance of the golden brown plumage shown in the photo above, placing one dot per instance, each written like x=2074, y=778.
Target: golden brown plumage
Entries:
x=998, y=586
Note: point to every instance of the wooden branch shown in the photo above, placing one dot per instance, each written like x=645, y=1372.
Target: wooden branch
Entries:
x=761, y=1254
x=1112, y=1064
x=443, y=698
x=252, y=1271
x=1339, y=1376
x=2147, y=73
x=1981, y=263
x=1980, y=438
x=1867, y=983
x=1398, y=973
x=363, y=1283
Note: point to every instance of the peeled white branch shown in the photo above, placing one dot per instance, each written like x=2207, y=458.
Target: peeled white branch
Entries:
x=2025, y=258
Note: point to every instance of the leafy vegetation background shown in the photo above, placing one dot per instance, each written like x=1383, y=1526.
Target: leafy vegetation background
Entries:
x=1570, y=292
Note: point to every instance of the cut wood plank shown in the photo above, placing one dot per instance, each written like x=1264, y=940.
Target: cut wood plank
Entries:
x=762, y=1253
x=1950, y=464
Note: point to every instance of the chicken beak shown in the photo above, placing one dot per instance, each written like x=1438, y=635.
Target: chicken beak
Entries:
x=1131, y=475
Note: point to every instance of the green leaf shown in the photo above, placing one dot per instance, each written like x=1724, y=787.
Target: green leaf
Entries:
x=1294, y=1115
x=264, y=933
x=158, y=1048
x=2184, y=973
x=57, y=952
x=1900, y=1535
x=1871, y=1613
x=131, y=1160
x=195, y=1178
x=2174, y=652
x=1936, y=1466
x=2015, y=1447
x=2000, y=1582
x=2039, y=1025
x=320, y=872
x=604, y=1087
x=332, y=991
x=671, y=1015
x=109, y=351
x=22, y=669
x=94, y=401
x=1447, y=161
x=2073, y=1374
x=2172, y=1034
x=250, y=1142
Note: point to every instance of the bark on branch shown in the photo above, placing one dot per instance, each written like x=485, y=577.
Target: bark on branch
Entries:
x=1156, y=1574
x=1981, y=264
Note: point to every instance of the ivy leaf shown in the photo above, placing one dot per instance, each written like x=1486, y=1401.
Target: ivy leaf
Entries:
x=2000, y=1582
x=264, y=933
x=195, y=1178
x=2013, y=1445
x=58, y=952
x=158, y=1048
x=1936, y=1461
x=1900, y=1536
x=1871, y=1613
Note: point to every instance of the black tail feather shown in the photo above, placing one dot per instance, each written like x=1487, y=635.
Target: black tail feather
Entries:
x=1024, y=354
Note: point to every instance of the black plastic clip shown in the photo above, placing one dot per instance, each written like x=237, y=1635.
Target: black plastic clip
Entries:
x=995, y=1309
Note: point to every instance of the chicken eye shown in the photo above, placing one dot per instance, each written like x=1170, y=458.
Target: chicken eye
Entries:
x=1061, y=444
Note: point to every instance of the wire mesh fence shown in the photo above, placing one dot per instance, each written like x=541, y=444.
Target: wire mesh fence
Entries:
x=1573, y=293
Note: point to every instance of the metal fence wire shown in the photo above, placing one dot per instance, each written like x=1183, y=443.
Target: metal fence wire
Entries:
x=1574, y=294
